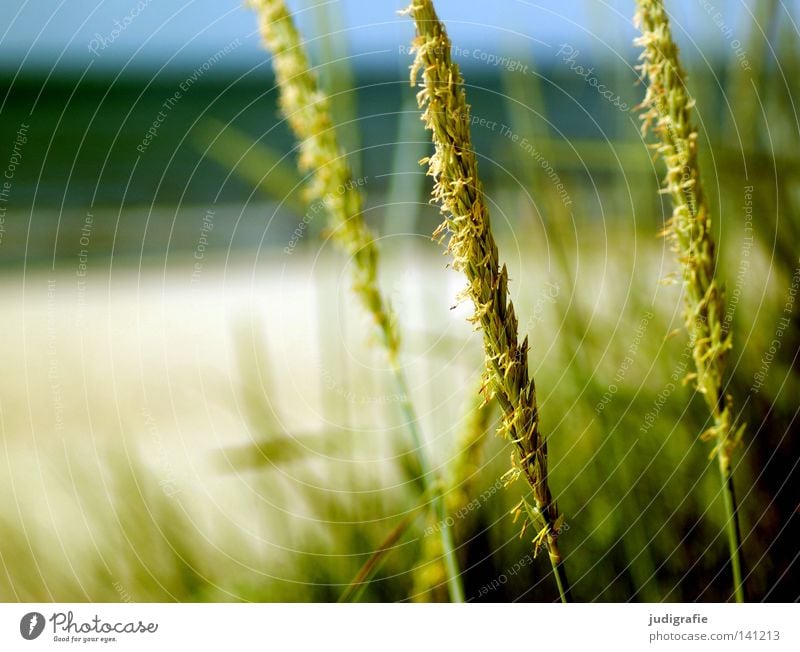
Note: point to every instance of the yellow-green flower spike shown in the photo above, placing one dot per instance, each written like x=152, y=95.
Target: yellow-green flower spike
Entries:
x=458, y=191
x=307, y=111
x=667, y=110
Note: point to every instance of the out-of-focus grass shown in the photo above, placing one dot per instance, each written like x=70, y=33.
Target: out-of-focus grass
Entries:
x=242, y=486
x=235, y=439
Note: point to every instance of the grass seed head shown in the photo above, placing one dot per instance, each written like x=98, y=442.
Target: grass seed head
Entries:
x=667, y=110
x=307, y=110
x=467, y=230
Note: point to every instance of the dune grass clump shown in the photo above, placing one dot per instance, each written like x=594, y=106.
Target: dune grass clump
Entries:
x=471, y=243
x=667, y=110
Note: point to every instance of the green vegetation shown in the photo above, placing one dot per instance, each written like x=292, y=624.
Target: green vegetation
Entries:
x=219, y=426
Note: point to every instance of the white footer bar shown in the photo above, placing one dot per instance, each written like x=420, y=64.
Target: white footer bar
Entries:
x=398, y=627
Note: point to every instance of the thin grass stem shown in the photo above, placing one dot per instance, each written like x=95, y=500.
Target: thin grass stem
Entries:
x=560, y=574
x=732, y=528
x=454, y=584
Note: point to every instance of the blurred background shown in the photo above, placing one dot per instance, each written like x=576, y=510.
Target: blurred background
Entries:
x=193, y=407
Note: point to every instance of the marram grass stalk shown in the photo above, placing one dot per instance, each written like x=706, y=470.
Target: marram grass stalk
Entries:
x=307, y=110
x=667, y=110
x=459, y=193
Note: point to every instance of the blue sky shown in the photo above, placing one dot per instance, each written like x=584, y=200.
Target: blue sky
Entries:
x=45, y=33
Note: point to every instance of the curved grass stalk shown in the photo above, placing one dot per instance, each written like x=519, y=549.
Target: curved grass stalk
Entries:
x=365, y=574
x=459, y=193
x=667, y=109
x=306, y=108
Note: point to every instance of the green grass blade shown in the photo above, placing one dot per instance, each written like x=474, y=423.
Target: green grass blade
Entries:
x=367, y=572
x=252, y=161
